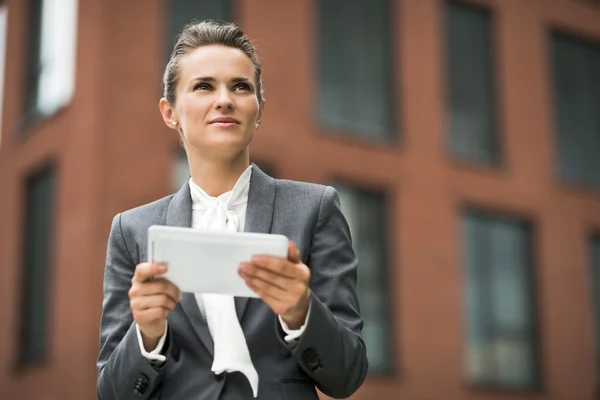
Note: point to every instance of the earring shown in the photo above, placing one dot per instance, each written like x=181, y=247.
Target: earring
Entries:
x=257, y=124
x=174, y=123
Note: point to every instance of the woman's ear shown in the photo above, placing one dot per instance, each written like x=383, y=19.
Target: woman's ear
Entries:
x=168, y=114
x=259, y=115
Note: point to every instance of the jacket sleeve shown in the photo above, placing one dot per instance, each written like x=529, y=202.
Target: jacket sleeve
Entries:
x=123, y=372
x=331, y=349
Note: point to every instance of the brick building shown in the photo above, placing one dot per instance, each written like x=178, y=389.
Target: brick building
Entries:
x=463, y=138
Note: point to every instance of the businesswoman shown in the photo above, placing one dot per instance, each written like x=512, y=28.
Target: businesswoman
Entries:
x=305, y=329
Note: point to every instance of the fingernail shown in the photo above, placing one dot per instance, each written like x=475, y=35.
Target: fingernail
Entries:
x=162, y=268
x=257, y=259
x=244, y=268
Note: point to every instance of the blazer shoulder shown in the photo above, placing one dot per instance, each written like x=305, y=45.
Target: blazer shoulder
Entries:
x=146, y=214
x=306, y=194
x=297, y=190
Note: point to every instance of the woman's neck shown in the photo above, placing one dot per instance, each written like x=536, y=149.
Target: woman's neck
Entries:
x=217, y=176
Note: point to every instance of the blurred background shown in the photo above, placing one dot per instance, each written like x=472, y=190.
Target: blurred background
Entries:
x=462, y=136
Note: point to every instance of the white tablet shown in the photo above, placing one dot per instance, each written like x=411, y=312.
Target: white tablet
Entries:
x=207, y=262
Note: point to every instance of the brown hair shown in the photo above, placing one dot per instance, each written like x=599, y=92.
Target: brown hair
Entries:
x=208, y=33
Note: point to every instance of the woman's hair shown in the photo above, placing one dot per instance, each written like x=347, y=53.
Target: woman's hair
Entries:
x=207, y=33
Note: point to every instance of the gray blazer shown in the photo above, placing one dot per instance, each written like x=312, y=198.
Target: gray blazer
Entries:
x=331, y=352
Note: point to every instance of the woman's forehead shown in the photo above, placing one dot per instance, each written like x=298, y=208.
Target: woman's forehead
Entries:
x=218, y=62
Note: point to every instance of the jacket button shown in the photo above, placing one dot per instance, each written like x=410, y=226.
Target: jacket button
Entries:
x=140, y=385
x=311, y=358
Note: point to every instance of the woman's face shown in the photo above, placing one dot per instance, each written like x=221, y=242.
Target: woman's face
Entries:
x=217, y=107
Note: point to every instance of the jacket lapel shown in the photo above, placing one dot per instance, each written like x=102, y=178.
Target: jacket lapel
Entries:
x=179, y=213
x=259, y=215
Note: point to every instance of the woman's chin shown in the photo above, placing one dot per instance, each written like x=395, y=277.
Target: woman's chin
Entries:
x=226, y=147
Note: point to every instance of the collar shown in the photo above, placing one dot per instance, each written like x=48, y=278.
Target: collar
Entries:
x=238, y=195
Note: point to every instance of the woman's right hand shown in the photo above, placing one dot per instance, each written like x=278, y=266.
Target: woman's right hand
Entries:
x=151, y=300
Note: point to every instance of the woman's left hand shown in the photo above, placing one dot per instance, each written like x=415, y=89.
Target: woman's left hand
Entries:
x=281, y=283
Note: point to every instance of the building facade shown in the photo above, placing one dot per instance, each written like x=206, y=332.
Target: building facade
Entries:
x=463, y=138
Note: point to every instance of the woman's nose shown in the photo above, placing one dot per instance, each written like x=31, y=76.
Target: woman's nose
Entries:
x=224, y=99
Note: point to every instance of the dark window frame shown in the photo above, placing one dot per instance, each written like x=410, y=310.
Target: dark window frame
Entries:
x=3, y=75
x=392, y=370
x=529, y=222
x=594, y=271
x=33, y=69
x=559, y=36
x=169, y=43
x=47, y=173
x=31, y=118
x=356, y=135
x=496, y=157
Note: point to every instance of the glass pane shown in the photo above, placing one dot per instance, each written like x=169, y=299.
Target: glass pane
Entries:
x=57, y=55
x=3, y=26
x=470, y=84
x=510, y=292
x=501, y=342
x=51, y=55
x=509, y=267
x=33, y=54
x=37, y=262
x=355, y=85
x=479, y=361
x=595, y=273
x=577, y=100
x=365, y=213
x=514, y=363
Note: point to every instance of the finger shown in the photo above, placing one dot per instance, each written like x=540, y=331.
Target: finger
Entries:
x=150, y=315
x=273, y=291
x=248, y=270
x=153, y=287
x=293, y=253
x=144, y=271
x=157, y=300
x=279, y=307
x=271, y=299
x=277, y=265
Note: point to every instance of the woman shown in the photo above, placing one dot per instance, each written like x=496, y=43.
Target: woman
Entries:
x=304, y=331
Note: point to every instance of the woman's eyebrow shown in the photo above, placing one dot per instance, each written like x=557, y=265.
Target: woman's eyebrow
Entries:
x=204, y=79
x=240, y=80
x=211, y=79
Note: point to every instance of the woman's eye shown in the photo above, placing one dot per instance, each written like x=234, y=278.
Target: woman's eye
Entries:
x=242, y=86
x=202, y=86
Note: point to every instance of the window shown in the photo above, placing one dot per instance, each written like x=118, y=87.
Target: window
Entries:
x=355, y=83
x=576, y=78
x=3, y=35
x=595, y=275
x=38, y=260
x=366, y=215
x=183, y=12
x=51, y=57
x=501, y=340
x=469, y=84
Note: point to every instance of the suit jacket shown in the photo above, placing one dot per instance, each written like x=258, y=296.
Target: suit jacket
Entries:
x=329, y=355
